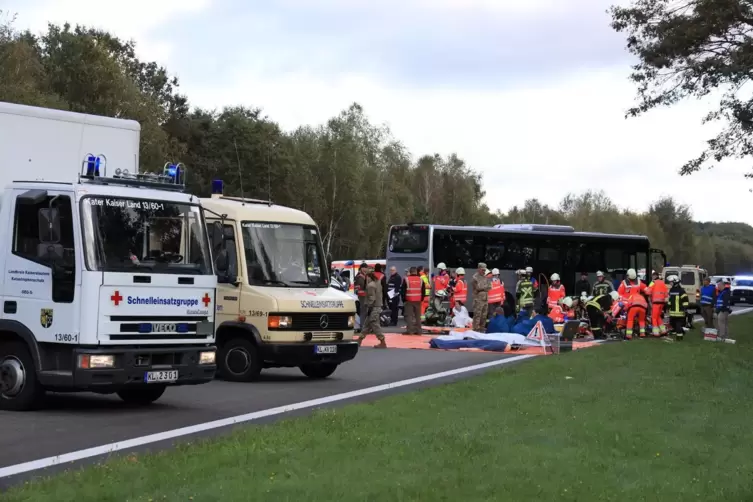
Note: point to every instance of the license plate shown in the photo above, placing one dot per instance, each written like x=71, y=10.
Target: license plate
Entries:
x=742, y=298
x=161, y=376
x=326, y=349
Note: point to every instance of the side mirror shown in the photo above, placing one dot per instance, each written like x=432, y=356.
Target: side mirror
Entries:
x=49, y=225
x=222, y=262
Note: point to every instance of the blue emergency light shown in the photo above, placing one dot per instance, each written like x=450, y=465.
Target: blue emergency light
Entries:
x=349, y=263
x=92, y=165
x=217, y=187
x=173, y=170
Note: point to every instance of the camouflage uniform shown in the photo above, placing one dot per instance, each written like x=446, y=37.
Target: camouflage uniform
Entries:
x=481, y=287
x=373, y=310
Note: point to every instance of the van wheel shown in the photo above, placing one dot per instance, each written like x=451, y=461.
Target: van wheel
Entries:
x=239, y=361
x=318, y=371
x=142, y=395
x=19, y=387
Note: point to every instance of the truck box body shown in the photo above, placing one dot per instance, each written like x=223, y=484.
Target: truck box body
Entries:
x=107, y=281
x=43, y=144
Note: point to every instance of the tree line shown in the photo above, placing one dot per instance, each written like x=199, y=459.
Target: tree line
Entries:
x=351, y=175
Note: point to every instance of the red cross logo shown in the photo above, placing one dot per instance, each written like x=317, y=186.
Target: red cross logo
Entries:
x=116, y=298
x=207, y=300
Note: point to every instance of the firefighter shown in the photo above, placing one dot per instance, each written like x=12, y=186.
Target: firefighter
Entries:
x=442, y=279
x=496, y=293
x=597, y=309
x=601, y=286
x=427, y=290
x=412, y=292
x=678, y=306
x=460, y=291
x=556, y=291
x=658, y=292
x=636, y=311
x=524, y=291
x=631, y=284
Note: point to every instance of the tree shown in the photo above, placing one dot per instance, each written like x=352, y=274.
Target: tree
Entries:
x=691, y=48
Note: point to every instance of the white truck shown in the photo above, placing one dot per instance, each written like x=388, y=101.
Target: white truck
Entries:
x=107, y=282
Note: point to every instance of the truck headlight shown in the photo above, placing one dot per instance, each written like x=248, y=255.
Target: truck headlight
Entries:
x=207, y=357
x=92, y=361
x=351, y=321
x=279, y=321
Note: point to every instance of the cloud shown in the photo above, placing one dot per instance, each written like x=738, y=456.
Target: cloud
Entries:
x=531, y=93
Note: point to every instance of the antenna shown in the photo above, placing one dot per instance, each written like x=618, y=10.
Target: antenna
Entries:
x=269, y=179
x=240, y=174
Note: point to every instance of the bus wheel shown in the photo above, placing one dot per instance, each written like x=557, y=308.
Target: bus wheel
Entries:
x=318, y=371
x=19, y=388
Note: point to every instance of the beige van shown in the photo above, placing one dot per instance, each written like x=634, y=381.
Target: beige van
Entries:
x=691, y=280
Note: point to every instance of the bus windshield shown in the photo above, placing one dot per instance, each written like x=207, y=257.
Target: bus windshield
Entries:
x=127, y=235
x=282, y=254
x=409, y=239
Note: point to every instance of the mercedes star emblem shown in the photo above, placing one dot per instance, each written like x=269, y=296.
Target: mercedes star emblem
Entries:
x=324, y=321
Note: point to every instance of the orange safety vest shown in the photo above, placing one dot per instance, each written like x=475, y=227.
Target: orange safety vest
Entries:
x=556, y=314
x=497, y=292
x=461, y=291
x=658, y=291
x=627, y=288
x=637, y=300
x=555, y=295
x=441, y=282
x=379, y=276
x=413, y=285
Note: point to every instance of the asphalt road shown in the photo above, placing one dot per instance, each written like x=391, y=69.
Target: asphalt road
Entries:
x=71, y=422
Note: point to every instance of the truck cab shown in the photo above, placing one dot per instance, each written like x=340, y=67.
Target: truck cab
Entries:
x=274, y=304
x=107, y=286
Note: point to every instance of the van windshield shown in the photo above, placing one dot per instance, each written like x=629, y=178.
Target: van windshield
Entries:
x=283, y=254
x=127, y=235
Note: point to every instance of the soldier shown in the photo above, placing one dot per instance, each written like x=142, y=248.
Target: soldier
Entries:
x=373, y=300
x=481, y=289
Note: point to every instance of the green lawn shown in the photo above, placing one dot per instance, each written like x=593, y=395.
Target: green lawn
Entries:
x=644, y=420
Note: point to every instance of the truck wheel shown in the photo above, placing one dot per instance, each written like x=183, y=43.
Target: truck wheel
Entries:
x=142, y=395
x=19, y=388
x=318, y=371
x=239, y=361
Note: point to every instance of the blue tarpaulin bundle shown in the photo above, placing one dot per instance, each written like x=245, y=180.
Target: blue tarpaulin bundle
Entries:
x=491, y=345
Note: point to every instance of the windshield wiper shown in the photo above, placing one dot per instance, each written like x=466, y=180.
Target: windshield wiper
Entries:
x=275, y=281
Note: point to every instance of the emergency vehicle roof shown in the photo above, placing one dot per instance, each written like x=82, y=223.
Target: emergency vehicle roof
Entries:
x=249, y=210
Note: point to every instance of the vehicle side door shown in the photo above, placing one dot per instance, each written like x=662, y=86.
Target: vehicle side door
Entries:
x=42, y=268
x=222, y=237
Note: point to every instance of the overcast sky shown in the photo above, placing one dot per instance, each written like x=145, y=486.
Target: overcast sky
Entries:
x=530, y=93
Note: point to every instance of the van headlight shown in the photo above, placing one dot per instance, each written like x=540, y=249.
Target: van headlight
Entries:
x=351, y=321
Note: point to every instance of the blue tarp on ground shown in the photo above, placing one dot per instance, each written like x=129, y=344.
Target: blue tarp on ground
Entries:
x=491, y=345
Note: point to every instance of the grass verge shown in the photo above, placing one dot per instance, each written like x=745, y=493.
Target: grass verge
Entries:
x=645, y=420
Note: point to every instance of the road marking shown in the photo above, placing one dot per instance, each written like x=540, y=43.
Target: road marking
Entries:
x=96, y=451
x=65, y=458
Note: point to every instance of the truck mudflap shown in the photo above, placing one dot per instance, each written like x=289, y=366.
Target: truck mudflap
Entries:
x=299, y=354
x=109, y=369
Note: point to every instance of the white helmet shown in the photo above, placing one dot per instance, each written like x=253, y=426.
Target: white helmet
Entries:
x=631, y=274
x=460, y=271
x=495, y=271
x=555, y=277
x=673, y=279
x=529, y=270
x=521, y=272
x=567, y=301
x=442, y=266
x=599, y=274
x=615, y=295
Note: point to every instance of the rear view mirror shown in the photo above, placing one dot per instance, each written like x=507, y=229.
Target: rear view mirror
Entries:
x=49, y=225
x=222, y=263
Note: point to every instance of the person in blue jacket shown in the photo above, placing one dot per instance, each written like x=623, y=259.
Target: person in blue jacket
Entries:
x=523, y=327
x=502, y=322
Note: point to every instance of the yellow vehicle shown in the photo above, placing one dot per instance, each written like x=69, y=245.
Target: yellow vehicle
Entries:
x=274, y=305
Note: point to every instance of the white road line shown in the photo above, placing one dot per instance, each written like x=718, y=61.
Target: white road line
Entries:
x=43, y=463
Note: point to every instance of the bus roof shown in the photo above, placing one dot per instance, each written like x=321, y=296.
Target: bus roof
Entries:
x=552, y=230
x=254, y=210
